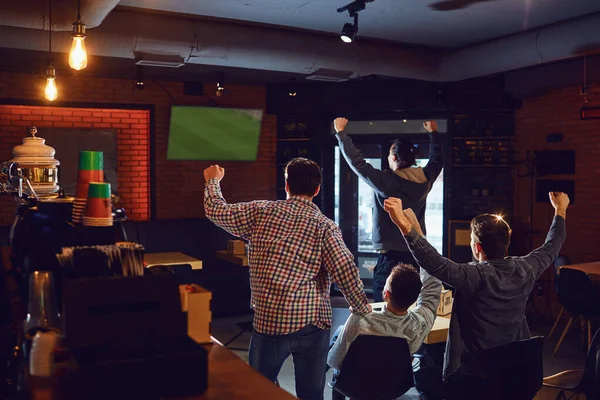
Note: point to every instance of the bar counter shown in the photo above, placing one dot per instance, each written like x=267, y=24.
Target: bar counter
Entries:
x=229, y=377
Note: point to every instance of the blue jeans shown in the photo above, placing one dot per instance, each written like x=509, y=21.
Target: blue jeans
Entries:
x=308, y=347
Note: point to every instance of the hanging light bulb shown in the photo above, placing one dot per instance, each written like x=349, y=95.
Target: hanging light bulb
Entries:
x=51, y=91
x=78, y=54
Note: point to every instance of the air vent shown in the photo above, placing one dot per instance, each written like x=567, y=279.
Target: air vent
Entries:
x=158, y=60
x=330, y=75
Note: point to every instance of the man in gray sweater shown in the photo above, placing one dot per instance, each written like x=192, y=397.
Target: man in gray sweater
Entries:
x=396, y=319
x=490, y=294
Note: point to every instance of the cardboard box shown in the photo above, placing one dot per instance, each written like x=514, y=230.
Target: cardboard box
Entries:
x=237, y=247
x=445, y=306
x=197, y=305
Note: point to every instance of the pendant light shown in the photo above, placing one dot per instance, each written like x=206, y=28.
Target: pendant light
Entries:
x=51, y=91
x=78, y=54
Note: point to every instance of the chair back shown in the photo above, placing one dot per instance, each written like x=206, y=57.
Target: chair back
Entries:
x=591, y=374
x=513, y=371
x=376, y=368
x=560, y=261
x=576, y=292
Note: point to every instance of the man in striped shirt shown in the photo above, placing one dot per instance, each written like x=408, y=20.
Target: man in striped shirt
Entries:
x=295, y=253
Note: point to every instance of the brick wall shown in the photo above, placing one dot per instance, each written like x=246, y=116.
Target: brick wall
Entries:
x=558, y=111
x=133, y=130
x=179, y=184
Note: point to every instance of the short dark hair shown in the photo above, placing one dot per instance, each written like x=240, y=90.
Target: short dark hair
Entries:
x=492, y=233
x=405, y=152
x=405, y=286
x=303, y=176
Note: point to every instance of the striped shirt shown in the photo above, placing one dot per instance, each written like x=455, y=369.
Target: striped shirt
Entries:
x=295, y=253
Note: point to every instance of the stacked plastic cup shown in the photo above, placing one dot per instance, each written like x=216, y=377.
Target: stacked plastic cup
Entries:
x=98, y=210
x=91, y=169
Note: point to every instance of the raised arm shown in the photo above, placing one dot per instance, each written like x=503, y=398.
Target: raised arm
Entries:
x=371, y=175
x=339, y=263
x=542, y=257
x=461, y=276
x=237, y=219
x=429, y=298
x=436, y=155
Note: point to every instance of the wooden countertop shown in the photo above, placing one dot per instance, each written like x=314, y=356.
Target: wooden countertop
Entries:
x=172, y=258
x=238, y=259
x=229, y=377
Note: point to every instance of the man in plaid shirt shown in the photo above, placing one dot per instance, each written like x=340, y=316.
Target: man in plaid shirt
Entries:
x=295, y=253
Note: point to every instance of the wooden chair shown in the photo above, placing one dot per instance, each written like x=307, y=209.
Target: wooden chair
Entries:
x=586, y=381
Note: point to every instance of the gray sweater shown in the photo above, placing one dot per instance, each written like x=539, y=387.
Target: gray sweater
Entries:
x=386, y=235
x=414, y=326
x=490, y=296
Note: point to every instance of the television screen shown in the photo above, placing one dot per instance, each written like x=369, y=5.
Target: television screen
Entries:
x=204, y=133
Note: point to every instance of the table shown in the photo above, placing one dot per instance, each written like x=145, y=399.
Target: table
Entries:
x=238, y=259
x=439, y=330
x=592, y=269
x=172, y=258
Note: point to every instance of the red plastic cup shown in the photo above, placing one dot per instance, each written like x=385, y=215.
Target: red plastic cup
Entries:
x=99, y=204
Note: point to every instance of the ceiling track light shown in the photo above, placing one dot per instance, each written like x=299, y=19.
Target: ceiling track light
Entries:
x=348, y=33
x=78, y=54
x=220, y=84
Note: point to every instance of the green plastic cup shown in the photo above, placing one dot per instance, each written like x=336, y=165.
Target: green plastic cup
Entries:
x=99, y=190
x=91, y=160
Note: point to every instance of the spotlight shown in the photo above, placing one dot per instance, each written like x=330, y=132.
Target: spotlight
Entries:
x=349, y=30
x=220, y=84
x=139, y=83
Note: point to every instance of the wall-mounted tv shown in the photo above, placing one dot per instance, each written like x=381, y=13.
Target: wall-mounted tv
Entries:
x=213, y=134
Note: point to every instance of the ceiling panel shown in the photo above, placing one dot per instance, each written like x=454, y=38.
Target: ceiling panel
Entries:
x=444, y=23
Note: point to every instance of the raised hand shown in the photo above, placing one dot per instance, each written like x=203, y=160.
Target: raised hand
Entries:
x=340, y=124
x=393, y=206
x=410, y=214
x=214, y=172
x=560, y=201
x=430, y=126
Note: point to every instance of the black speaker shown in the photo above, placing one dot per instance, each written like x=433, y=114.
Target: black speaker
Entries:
x=544, y=186
x=193, y=88
x=555, y=162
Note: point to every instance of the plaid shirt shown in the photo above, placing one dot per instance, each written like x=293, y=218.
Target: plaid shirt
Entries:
x=295, y=253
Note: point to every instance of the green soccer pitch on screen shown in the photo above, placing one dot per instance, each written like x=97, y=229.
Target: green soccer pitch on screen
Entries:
x=213, y=134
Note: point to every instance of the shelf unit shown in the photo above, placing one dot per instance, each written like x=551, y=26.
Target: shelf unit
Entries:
x=482, y=159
